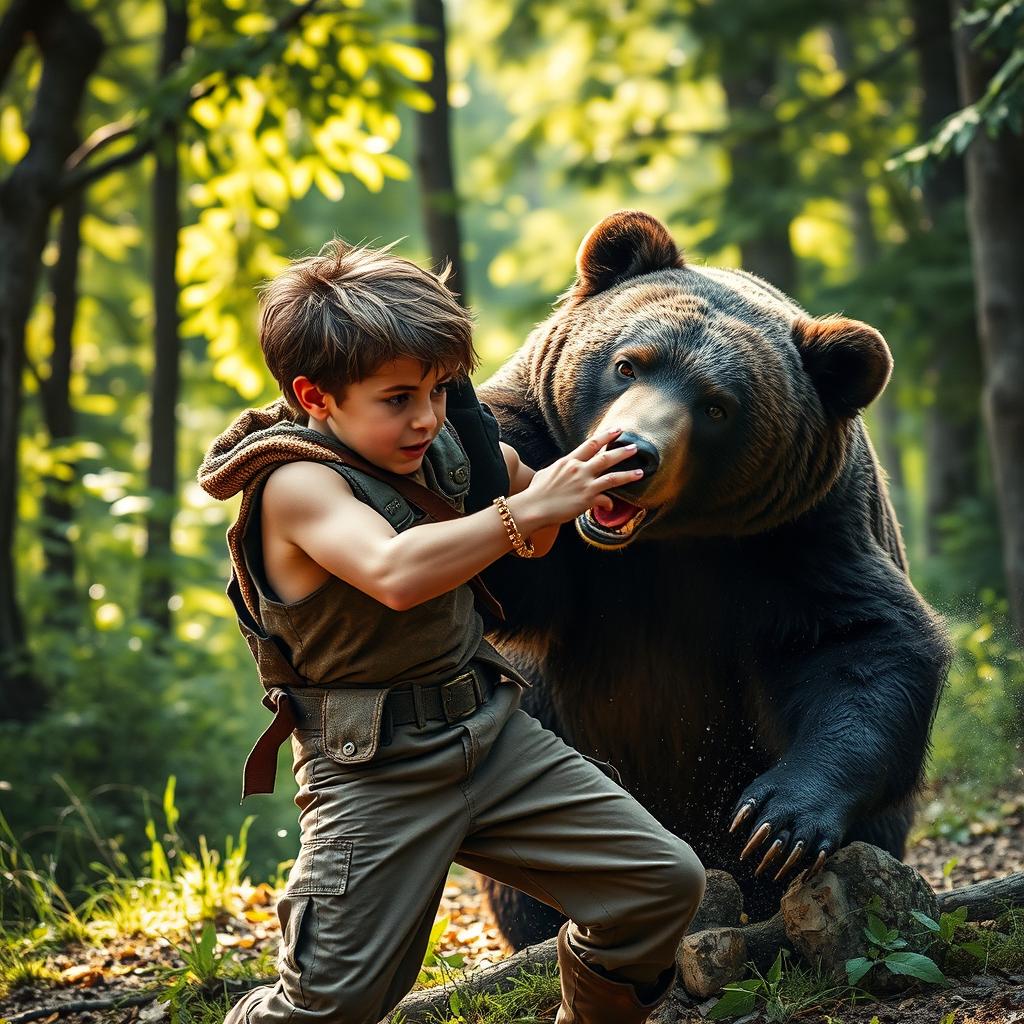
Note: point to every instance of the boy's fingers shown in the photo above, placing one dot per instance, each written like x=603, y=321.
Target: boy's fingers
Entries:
x=594, y=444
x=603, y=501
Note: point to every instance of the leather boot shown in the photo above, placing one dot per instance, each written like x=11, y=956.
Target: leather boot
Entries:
x=591, y=998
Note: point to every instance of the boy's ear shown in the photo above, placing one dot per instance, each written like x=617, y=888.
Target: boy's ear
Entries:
x=310, y=397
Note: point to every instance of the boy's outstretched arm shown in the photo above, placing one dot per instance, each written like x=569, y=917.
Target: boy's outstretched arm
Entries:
x=312, y=507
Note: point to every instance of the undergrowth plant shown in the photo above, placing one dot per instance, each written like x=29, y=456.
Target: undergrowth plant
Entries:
x=174, y=888
x=779, y=995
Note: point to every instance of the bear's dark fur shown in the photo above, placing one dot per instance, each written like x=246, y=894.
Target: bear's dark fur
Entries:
x=753, y=635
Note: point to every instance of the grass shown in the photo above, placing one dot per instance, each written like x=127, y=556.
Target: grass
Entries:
x=177, y=894
x=174, y=892
x=532, y=997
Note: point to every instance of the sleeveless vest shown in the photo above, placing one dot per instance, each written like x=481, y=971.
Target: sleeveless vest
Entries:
x=339, y=636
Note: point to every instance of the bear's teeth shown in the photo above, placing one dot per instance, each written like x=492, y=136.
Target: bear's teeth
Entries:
x=625, y=529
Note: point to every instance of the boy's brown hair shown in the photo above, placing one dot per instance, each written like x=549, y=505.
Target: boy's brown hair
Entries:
x=337, y=317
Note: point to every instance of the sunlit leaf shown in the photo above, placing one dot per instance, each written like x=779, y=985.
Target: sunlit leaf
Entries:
x=410, y=61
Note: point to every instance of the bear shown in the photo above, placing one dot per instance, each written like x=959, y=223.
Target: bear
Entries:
x=737, y=639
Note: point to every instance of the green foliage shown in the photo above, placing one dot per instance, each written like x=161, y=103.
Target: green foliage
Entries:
x=19, y=968
x=174, y=887
x=530, y=998
x=789, y=991
x=435, y=962
x=202, y=966
x=997, y=28
x=976, y=738
x=785, y=991
x=887, y=948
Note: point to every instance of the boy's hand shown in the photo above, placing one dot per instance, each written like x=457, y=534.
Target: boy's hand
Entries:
x=577, y=481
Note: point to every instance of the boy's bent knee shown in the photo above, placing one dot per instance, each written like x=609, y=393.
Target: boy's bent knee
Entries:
x=680, y=880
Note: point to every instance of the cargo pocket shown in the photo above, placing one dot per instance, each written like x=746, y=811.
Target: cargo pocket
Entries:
x=321, y=868
x=351, y=723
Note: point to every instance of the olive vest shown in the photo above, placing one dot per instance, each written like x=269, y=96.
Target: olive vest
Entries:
x=338, y=636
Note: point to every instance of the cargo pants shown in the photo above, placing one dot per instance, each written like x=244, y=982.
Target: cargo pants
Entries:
x=497, y=793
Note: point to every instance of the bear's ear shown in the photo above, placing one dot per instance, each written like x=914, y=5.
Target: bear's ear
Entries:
x=621, y=246
x=848, y=361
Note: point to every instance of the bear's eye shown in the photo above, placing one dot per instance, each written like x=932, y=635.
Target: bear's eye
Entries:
x=624, y=369
x=714, y=412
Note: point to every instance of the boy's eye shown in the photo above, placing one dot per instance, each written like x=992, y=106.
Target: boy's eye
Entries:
x=398, y=400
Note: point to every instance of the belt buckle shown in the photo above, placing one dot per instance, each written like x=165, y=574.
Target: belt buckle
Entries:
x=459, y=697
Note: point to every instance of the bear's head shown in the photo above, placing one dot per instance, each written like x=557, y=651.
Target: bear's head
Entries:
x=744, y=408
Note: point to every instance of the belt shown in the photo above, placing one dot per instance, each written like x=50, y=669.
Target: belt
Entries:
x=449, y=701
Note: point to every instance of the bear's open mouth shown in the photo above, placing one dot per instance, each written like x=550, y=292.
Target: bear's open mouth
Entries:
x=611, y=527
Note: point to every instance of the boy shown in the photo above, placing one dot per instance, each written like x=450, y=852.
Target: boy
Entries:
x=409, y=746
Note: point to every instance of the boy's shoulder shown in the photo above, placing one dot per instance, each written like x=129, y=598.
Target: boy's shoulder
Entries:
x=302, y=486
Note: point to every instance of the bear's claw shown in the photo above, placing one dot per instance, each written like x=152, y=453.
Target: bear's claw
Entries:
x=772, y=853
x=798, y=849
x=741, y=815
x=757, y=839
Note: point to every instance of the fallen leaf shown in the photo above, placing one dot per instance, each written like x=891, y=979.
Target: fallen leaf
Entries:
x=83, y=976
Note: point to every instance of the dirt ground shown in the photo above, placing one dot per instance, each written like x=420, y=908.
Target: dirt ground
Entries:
x=993, y=848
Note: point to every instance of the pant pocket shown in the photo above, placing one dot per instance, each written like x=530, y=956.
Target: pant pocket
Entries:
x=319, y=873
x=321, y=868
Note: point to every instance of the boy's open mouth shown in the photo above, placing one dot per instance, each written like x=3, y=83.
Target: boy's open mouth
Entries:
x=613, y=527
x=412, y=450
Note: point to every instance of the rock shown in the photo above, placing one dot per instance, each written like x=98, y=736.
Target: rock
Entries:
x=722, y=903
x=825, y=917
x=711, y=959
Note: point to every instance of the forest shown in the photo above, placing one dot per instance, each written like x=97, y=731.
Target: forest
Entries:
x=161, y=159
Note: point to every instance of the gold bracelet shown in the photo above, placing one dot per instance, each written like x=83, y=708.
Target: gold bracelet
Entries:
x=523, y=548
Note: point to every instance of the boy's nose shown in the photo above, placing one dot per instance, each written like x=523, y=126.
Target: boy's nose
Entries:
x=425, y=419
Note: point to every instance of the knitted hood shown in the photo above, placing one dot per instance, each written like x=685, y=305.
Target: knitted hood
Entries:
x=257, y=440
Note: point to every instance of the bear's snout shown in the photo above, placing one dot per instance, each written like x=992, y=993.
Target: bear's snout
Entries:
x=646, y=457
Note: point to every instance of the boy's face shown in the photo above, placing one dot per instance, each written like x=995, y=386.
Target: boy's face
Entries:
x=389, y=418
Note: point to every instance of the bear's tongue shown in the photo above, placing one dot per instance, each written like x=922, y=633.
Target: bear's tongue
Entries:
x=620, y=513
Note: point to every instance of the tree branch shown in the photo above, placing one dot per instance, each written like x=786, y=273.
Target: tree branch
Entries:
x=103, y=136
x=78, y=177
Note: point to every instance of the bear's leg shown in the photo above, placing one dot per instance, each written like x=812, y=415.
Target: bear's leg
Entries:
x=522, y=920
x=887, y=830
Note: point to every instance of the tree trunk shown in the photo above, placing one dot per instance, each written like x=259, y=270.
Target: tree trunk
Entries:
x=440, y=200
x=767, y=251
x=995, y=210
x=952, y=436
x=157, y=572
x=70, y=47
x=55, y=395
